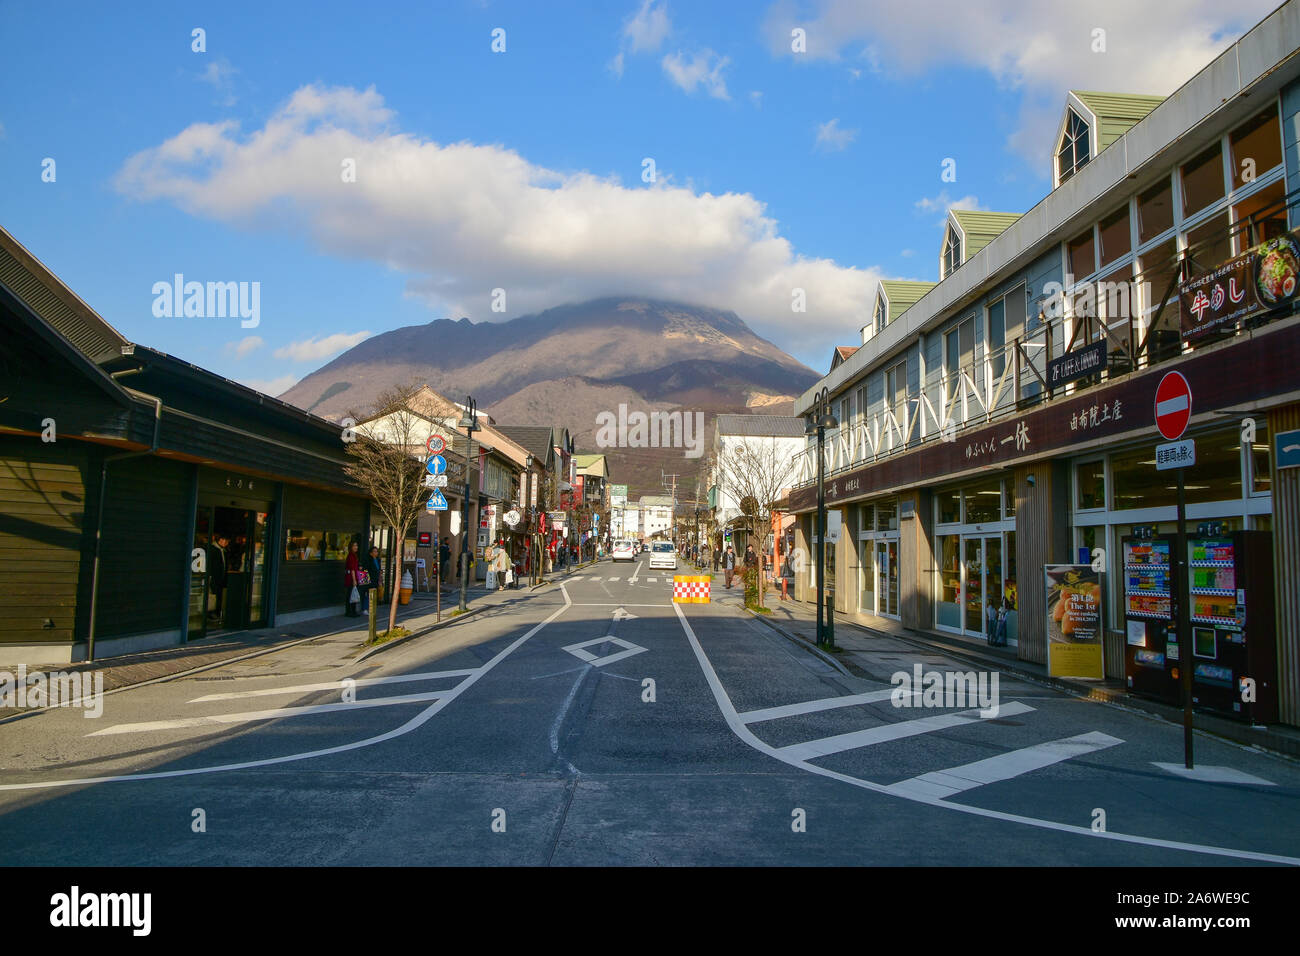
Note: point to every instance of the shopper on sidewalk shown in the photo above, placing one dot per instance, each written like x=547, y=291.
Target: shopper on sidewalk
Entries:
x=351, y=577
x=370, y=565
x=729, y=564
x=500, y=562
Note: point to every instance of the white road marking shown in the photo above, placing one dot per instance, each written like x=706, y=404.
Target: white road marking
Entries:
x=254, y=715
x=413, y=724
x=945, y=783
x=1215, y=774
x=632, y=579
x=621, y=614
x=810, y=706
x=612, y=604
x=332, y=685
x=651, y=580
x=812, y=749
x=745, y=734
x=613, y=579
x=583, y=655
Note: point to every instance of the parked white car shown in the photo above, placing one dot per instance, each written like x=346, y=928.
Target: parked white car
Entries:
x=623, y=551
x=662, y=556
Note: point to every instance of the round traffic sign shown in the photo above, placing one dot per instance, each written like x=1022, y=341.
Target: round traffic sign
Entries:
x=437, y=465
x=436, y=444
x=1173, y=405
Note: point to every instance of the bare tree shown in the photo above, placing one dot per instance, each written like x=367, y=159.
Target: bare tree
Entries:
x=754, y=472
x=386, y=461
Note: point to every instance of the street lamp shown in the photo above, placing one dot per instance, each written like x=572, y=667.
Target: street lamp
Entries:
x=469, y=422
x=820, y=419
x=529, y=517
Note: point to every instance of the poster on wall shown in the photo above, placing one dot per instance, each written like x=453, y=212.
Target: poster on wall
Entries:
x=1074, y=621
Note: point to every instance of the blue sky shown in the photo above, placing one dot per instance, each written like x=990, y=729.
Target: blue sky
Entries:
x=522, y=170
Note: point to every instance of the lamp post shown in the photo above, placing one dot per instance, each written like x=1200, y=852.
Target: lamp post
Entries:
x=820, y=419
x=528, y=520
x=469, y=422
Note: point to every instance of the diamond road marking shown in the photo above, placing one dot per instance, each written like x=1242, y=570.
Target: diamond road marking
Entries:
x=577, y=651
x=1215, y=774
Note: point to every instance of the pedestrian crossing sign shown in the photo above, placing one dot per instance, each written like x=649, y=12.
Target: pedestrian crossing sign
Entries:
x=437, y=501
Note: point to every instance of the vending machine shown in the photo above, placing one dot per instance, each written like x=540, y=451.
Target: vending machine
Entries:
x=1234, y=646
x=1151, y=648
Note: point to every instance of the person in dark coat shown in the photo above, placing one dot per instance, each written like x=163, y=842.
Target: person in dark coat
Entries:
x=729, y=564
x=350, y=577
x=444, y=560
x=217, y=577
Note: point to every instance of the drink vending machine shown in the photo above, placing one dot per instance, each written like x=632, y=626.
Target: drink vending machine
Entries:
x=1151, y=635
x=1234, y=645
x=1230, y=595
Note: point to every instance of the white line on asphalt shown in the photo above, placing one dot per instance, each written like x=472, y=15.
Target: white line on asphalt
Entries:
x=809, y=706
x=745, y=734
x=332, y=685
x=651, y=580
x=944, y=783
x=632, y=579
x=577, y=650
x=614, y=578
x=413, y=724
x=615, y=604
x=812, y=749
x=254, y=715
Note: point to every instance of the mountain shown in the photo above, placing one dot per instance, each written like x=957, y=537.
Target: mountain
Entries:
x=568, y=364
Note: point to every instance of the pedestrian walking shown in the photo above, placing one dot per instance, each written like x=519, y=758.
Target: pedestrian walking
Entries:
x=751, y=557
x=217, y=578
x=370, y=568
x=729, y=564
x=444, y=559
x=351, y=576
x=490, y=559
x=500, y=564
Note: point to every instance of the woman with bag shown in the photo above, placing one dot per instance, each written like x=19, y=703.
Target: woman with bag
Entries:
x=351, y=576
x=500, y=563
x=490, y=557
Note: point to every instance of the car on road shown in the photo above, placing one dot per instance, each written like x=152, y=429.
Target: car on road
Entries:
x=623, y=551
x=663, y=556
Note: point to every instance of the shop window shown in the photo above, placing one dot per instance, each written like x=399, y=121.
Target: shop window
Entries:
x=1090, y=485
x=1203, y=181
x=867, y=518
x=1256, y=147
x=1263, y=214
x=1209, y=243
x=1082, y=255
x=887, y=516
x=984, y=503
x=309, y=545
x=1215, y=477
x=948, y=612
x=1261, y=475
x=1155, y=211
x=949, y=505
x=1009, y=500
x=1115, y=240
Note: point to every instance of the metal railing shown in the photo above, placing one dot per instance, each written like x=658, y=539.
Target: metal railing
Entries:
x=1014, y=377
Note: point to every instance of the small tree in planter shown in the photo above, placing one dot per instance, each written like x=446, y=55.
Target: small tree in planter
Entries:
x=755, y=473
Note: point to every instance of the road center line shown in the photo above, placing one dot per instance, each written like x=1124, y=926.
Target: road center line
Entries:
x=333, y=685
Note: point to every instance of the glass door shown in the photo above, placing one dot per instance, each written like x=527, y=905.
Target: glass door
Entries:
x=887, y=577
x=867, y=577
x=973, y=590
x=200, y=601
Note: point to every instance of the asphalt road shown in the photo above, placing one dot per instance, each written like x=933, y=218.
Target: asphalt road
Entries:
x=597, y=723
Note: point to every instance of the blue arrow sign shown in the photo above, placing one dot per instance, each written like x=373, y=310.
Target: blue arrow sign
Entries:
x=436, y=465
x=1286, y=451
x=436, y=502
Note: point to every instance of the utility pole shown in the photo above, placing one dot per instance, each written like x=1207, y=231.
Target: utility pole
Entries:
x=469, y=422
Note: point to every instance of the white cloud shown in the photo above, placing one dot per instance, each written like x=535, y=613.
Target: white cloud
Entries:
x=219, y=74
x=1040, y=49
x=616, y=64
x=461, y=220
x=271, y=386
x=646, y=30
x=943, y=202
x=756, y=97
x=831, y=138
x=245, y=346
x=704, y=69
x=313, y=349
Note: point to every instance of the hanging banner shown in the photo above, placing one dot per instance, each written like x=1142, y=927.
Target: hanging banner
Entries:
x=1264, y=278
x=1074, y=621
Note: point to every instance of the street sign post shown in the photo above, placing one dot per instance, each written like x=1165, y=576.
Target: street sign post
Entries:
x=436, y=465
x=437, y=502
x=436, y=444
x=1173, y=406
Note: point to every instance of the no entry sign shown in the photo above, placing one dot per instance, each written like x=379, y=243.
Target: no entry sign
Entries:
x=1173, y=405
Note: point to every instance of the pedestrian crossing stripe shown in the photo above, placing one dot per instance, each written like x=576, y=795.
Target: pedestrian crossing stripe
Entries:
x=691, y=588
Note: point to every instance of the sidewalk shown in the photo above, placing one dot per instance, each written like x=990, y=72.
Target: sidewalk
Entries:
x=799, y=621
x=128, y=670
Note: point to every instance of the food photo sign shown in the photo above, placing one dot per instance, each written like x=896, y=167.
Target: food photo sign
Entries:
x=1262, y=279
x=1074, y=621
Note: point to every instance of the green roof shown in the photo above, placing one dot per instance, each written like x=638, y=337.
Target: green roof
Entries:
x=981, y=228
x=1116, y=113
x=903, y=294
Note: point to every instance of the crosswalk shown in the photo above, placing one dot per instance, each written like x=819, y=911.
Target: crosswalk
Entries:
x=936, y=784
x=351, y=694
x=597, y=579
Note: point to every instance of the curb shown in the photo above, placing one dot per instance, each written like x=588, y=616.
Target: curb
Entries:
x=437, y=626
x=796, y=639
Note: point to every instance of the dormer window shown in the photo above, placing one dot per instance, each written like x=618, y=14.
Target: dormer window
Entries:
x=882, y=313
x=951, y=252
x=1075, y=149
